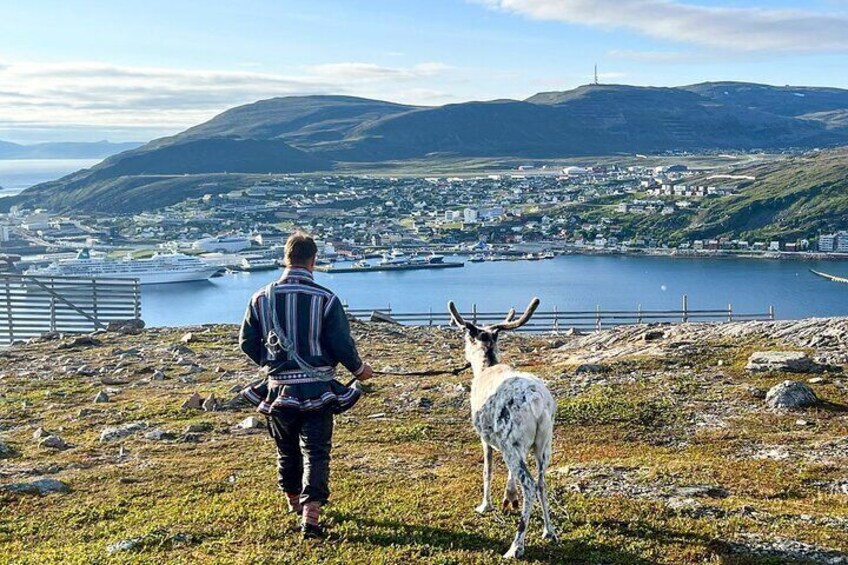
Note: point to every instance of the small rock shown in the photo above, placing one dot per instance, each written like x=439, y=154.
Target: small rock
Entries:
x=187, y=338
x=53, y=442
x=817, y=381
x=790, y=395
x=39, y=433
x=211, y=404
x=117, y=432
x=158, y=376
x=190, y=438
x=803, y=423
x=123, y=545
x=83, y=412
x=82, y=341
x=199, y=428
x=5, y=450
x=101, y=397
x=193, y=403
x=708, y=491
x=757, y=392
x=653, y=335
x=783, y=361
x=377, y=415
x=251, y=423
x=39, y=486
x=592, y=368
x=159, y=435
x=112, y=381
x=125, y=326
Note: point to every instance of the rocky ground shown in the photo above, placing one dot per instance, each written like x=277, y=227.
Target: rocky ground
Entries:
x=674, y=444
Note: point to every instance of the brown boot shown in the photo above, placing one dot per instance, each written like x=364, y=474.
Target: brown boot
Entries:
x=310, y=527
x=294, y=503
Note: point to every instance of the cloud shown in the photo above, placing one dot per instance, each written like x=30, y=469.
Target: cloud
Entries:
x=102, y=95
x=653, y=56
x=740, y=29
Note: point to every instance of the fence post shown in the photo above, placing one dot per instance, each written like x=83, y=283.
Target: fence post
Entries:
x=771, y=312
x=638, y=313
x=474, y=313
x=52, y=307
x=729, y=312
x=94, y=299
x=136, y=299
x=9, y=310
x=598, y=323
x=556, y=318
x=685, y=308
x=430, y=316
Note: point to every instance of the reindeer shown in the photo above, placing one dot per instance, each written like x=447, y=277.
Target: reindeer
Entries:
x=512, y=412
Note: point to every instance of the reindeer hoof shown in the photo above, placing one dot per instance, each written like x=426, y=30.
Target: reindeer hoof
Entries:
x=508, y=505
x=483, y=508
x=514, y=553
x=550, y=535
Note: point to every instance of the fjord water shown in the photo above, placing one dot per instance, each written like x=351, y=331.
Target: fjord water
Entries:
x=18, y=174
x=569, y=283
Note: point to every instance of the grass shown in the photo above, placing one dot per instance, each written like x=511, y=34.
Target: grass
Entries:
x=405, y=483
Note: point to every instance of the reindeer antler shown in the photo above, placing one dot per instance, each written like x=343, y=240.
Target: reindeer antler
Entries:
x=457, y=317
x=509, y=324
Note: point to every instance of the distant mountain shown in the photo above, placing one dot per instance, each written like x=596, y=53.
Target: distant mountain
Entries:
x=313, y=133
x=64, y=150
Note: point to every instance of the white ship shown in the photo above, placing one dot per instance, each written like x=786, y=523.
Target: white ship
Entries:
x=159, y=269
x=223, y=244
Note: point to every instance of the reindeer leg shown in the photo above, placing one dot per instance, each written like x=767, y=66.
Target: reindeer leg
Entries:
x=528, y=489
x=510, y=498
x=543, y=456
x=487, y=479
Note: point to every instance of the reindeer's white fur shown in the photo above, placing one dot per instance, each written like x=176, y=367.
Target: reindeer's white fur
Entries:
x=513, y=412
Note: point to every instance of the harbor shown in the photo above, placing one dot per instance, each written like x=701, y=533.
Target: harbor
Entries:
x=566, y=283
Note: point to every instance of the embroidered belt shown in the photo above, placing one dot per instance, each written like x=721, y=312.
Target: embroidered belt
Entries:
x=295, y=377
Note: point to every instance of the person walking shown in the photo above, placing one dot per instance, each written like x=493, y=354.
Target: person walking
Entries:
x=297, y=332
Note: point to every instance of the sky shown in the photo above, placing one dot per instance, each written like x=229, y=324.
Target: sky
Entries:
x=127, y=70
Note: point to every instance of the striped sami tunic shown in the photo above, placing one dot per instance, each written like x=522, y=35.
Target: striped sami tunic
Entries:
x=314, y=320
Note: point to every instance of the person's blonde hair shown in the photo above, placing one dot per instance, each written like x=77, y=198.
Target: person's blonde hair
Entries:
x=300, y=250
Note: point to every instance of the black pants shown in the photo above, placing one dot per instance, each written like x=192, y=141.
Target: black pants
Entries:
x=304, y=440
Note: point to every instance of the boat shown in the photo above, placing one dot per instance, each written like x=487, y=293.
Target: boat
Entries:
x=394, y=258
x=250, y=264
x=477, y=258
x=362, y=264
x=159, y=269
x=829, y=277
x=223, y=244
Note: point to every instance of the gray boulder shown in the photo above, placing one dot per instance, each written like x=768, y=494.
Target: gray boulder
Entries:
x=791, y=395
x=5, y=450
x=117, y=432
x=53, y=442
x=101, y=397
x=592, y=368
x=39, y=486
x=783, y=361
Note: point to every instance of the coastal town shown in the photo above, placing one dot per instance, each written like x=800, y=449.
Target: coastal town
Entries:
x=531, y=212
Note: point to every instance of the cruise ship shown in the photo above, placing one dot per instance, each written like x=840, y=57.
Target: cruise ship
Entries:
x=159, y=269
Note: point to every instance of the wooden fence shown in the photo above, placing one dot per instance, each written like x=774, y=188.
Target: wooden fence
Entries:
x=563, y=320
x=33, y=305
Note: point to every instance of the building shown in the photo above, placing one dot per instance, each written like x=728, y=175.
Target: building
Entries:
x=841, y=242
x=827, y=243
x=470, y=216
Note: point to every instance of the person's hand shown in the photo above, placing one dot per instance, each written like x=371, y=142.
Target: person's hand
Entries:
x=367, y=372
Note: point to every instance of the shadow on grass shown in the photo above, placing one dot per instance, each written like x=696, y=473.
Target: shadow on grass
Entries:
x=391, y=533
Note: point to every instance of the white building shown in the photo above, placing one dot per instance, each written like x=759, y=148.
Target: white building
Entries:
x=842, y=242
x=827, y=243
x=470, y=216
x=4, y=234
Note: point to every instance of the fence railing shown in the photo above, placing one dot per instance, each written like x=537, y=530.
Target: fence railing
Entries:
x=562, y=320
x=33, y=305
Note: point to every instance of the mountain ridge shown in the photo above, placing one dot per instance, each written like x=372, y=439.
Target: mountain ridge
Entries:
x=315, y=133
